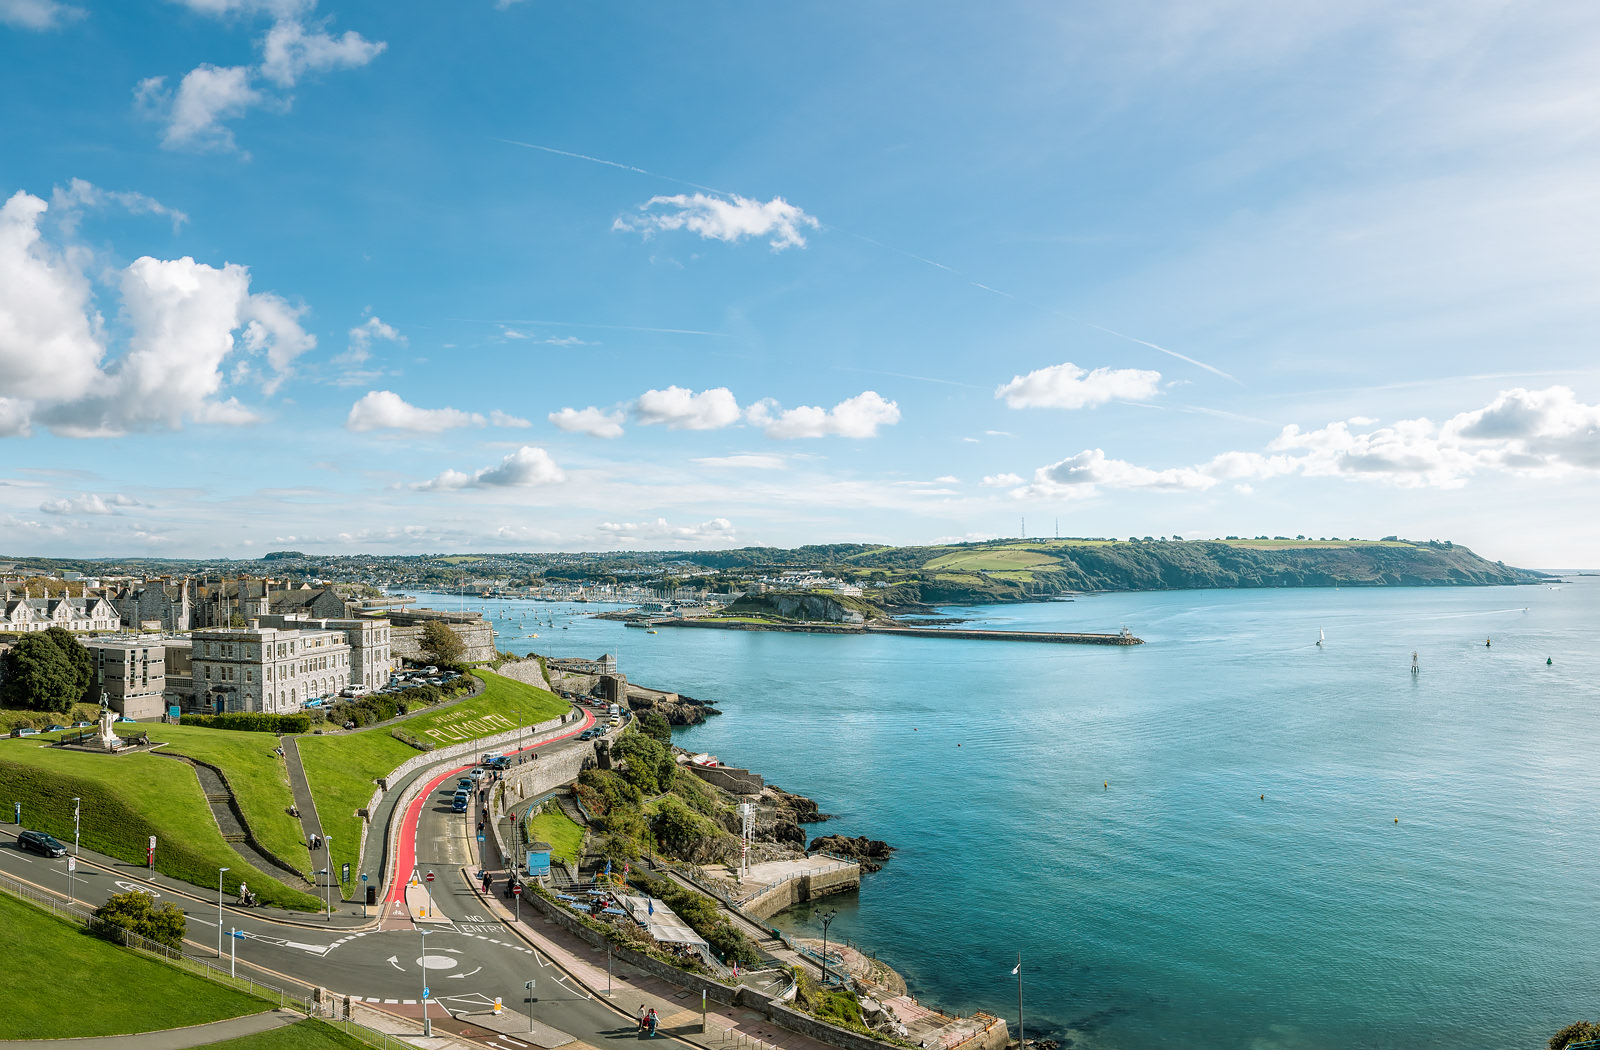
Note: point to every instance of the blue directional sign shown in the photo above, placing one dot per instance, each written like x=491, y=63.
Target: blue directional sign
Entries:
x=236, y=933
x=480, y=837
x=424, y=993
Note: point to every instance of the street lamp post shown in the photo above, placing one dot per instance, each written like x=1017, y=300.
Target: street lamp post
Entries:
x=427, y=1025
x=77, y=804
x=327, y=844
x=219, y=911
x=827, y=920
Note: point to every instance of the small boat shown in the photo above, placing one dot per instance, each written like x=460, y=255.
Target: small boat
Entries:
x=1320, y=636
x=650, y=631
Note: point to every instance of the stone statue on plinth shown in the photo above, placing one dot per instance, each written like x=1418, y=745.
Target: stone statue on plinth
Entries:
x=108, y=739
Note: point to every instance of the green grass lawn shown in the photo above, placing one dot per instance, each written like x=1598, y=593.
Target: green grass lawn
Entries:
x=343, y=767
x=556, y=828
x=258, y=780
x=991, y=559
x=302, y=1035
x=126, y=799
x=60, y=982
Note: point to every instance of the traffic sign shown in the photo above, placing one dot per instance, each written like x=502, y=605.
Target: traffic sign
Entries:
x=363, y=875
x=480, y=838
x=517, y=889
x=430, y=876
x=424, y=993
x=346, y=874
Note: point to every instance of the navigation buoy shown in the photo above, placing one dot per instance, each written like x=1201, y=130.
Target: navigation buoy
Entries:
x=1486, y=643
x=1397, y=820
x=1106, y=784
x=1548, y=661
x=1263, y=798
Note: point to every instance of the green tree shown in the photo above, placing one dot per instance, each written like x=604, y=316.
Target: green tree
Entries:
x=440, y=644
x=650, y=765
x=1576, y=1032
x=136, y=912
x=48, y=671
x=655, y=725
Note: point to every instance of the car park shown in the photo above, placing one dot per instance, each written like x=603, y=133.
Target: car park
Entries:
x=42, y=843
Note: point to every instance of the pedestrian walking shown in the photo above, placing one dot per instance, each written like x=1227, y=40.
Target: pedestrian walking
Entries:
x=641, y=1017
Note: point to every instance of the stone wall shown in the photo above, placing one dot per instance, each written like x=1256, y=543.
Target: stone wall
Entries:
x=534, y=778
x=738, y=781
x=525, y=671
x=476, y=634
x=798, y=888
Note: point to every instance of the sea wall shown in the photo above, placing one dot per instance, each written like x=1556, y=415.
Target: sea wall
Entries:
x=738, y=781
x=535, y=777
x=796, y=889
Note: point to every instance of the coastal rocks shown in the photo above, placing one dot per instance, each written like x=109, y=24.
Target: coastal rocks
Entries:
x=677, y=709
x=869, y=853
x=806, y=606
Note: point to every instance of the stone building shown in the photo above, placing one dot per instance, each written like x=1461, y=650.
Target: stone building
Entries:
x=22, y=615
x=372, y=659
x=267, y=669
x=131, y=673
x=317, y=604
x=155, y=605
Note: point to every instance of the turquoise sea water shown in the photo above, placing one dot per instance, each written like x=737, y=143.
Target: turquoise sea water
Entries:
x=1176, y=907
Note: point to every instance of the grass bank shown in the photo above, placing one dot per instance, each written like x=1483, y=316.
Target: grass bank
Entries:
x=126, y=799
x=302, y=1035
x=343, y=768
x=259, y=781
x=558, y=829
x=61, y=982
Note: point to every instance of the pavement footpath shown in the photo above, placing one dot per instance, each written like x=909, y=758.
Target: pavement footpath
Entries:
x=169, y=1038
x=678, y=1009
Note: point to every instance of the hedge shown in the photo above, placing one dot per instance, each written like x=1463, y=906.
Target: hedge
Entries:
x=251, y=722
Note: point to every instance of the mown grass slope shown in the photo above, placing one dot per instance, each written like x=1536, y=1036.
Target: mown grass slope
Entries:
x=126, y=799
x=257, y=777
x=61, y=982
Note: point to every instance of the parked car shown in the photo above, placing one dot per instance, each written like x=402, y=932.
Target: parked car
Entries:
x=83, y=725
x=54, y=729
x=24, y=731
x=41, y=842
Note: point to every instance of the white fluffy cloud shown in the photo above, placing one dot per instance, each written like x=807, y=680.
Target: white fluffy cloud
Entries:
x=682, y=409
x=715, y=531
x=38, y=14
x=591, y=421
x=182, y=316
x=364, y=334
x=50, y=340
x=525, y=467
x=88, y=503
x=714, y=218
x=856, y=417
x=209, y=95
x=386, y=410
x=68, y=204
x=206, y=96
x=290, y=50
x=1068, y=386
x=1537, y=433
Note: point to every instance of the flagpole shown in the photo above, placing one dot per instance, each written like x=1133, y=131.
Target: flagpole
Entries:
x=1021, y=1036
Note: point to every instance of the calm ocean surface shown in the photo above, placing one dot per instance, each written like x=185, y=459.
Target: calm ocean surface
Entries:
x=1177, y=908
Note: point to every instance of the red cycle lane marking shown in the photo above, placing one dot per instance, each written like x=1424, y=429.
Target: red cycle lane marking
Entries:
x=408, y=828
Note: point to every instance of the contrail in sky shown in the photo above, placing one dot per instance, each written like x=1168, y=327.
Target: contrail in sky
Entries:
x=613, y=164
x=581, y=324
x=869, y=240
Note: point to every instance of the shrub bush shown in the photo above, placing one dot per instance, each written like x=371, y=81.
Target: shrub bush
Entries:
x=136, y=912
x=251, y=722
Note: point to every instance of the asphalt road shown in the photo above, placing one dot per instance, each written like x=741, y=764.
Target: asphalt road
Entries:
x=469, y=959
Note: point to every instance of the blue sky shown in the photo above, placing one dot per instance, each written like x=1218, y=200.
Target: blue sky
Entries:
x=346, y=276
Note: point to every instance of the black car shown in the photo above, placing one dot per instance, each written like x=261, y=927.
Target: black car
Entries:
x=40, y=842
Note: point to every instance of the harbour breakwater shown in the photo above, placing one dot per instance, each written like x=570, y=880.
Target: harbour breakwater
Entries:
x=969, y=634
